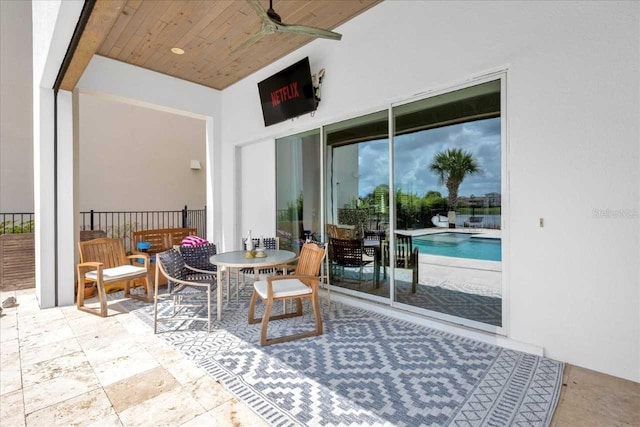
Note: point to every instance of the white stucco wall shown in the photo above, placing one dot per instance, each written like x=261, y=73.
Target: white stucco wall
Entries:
x=16, y=130
x=259, y=191
x=137, y=86
x=572, y=131
x=137, y=158
x=53, y=26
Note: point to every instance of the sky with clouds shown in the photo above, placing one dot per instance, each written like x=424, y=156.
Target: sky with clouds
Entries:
x=414, y=153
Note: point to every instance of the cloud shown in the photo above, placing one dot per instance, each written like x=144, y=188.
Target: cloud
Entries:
x=414, y=152
x=373, y=165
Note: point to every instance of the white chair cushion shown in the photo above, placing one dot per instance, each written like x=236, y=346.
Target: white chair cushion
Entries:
x=114, y=273
x=282, y=288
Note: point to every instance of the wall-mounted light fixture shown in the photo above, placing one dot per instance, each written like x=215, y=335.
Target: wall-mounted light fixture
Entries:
x=317, y=85
x=195, y=165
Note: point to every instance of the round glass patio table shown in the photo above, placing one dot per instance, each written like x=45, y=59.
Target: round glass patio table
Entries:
x=236, y=259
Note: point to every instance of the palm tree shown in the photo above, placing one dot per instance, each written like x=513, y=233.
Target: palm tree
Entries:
x=452, y=166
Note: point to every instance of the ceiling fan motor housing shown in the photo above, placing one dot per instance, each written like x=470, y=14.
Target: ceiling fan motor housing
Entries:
x=273, y=15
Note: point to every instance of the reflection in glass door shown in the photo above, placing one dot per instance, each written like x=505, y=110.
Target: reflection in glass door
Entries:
x=439, y=251
x=447, y=178
x=298, y=210
x=357, y=204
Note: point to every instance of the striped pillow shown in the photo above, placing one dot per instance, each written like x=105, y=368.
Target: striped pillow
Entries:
x=194, y=241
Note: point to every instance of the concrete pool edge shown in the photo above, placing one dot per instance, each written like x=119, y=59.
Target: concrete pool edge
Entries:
x=467, y=263
x=476, y=232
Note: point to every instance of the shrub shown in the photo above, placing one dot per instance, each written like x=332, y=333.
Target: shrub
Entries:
x=11, y=227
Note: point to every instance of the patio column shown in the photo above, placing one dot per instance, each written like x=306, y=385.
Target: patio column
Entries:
x=213, y=235
x=43, y=195
x=67, y=195
x=53, y=24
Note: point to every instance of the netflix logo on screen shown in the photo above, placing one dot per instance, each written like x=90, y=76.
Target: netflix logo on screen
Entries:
x=287, y=94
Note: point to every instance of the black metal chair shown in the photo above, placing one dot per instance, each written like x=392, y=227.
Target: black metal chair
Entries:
x=414, y=272
x=272, y=243
x=184, y=281
x=406, y=257
x=404, y=248
x=269, y=243
x=350, y=253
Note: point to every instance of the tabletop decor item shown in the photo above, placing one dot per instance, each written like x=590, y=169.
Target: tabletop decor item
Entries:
x=260, y=250
x=250, y=252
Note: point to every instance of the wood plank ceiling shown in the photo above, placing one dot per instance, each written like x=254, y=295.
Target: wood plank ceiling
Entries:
x=142, y=33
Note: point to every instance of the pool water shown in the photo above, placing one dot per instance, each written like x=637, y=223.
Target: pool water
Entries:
x=459, y=245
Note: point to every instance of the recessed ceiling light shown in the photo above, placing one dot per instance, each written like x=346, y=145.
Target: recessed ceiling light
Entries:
x=177, y=50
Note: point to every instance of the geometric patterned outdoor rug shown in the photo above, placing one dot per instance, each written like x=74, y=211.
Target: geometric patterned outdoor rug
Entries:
x=480, y=308
x=366, y=370
x=434, y=295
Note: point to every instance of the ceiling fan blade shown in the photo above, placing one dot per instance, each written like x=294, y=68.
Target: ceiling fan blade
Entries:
x=260, y=11
x=308, y=31
x=271, y=24
x=250, y=41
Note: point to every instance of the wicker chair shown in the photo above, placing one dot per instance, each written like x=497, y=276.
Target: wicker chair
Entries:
x=303, y=284
x=272, y=243
x=184, y=281
x=197, y=257
x=103, y=261
x=349, y=253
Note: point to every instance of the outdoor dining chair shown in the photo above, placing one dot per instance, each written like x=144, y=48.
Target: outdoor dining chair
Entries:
x=185, y=283
x=304, y=284
x=349, y=254
x=272, y=243
x=104, y=262
x=197, y=257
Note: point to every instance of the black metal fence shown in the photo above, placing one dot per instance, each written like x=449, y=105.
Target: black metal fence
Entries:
x=122, y=223
x=116, y=223
x=12, y=223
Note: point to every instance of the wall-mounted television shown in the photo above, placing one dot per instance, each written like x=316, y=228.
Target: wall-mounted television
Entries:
x=287, y=94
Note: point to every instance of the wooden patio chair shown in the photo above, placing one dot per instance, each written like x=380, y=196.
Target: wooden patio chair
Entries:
x=103, y=261
x=303, y=284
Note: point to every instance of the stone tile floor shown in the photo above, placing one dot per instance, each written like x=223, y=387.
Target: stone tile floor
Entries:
x=65, y=367
x=61, y=366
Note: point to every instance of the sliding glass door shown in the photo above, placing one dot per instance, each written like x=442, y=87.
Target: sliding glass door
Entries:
x=447, y=182
x=357, y=203
x=298, y=210
x=413, y=221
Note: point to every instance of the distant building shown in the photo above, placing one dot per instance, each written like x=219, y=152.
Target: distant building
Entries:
x=493, y=199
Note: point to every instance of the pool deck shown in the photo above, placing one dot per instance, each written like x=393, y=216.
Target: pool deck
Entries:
x=460, y=274
x=491, y=233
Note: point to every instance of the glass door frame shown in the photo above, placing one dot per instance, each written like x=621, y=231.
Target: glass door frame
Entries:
x=325, y=152
x=499, y=330
x=505, y=207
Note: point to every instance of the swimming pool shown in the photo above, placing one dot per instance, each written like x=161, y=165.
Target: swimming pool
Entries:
x=459, y=245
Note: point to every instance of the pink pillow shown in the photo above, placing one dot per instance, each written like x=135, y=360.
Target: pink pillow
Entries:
x=193, y=241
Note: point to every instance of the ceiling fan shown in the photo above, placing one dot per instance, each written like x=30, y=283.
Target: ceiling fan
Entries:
x=271, y=24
